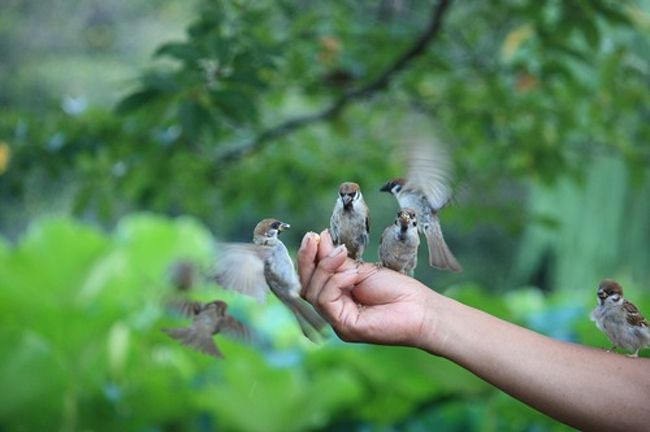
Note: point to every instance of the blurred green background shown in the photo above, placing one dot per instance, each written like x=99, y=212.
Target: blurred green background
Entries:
x=134, y=134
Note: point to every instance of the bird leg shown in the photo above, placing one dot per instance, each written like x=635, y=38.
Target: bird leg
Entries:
x=635, y=354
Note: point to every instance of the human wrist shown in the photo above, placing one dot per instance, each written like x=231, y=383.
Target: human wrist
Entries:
x=436, y=325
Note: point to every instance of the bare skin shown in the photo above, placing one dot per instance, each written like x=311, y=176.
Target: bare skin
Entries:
x=587, y=388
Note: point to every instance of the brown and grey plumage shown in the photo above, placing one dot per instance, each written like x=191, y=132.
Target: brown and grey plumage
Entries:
x=619, y=319
x=350, y=220
x=427, y=190
x=398, y=247
x=255, y=268
x=208, y=319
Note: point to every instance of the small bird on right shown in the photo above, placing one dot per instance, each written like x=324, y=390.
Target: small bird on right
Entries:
x=398, y=246
x=619, y=319
x=427, y=190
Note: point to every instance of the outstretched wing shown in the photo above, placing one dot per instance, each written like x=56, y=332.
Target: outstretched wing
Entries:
x=429, y=170
x=235, y=329
x=240, y=267
x=187, y=308
x=195, y=338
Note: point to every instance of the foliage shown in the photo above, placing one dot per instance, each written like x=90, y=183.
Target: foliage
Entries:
x=528, y=89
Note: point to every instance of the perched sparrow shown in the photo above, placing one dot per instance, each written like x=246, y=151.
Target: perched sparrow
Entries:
x=619, y=319
x=426, y=191
x=208, y=319
x=398, y=247
x=265, y=264
x=350, y=223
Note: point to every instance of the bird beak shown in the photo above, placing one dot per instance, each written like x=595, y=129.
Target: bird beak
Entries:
x=602, y=295
x=404, y=220
x=387, y=187
x=346, y=200
x=284, y=226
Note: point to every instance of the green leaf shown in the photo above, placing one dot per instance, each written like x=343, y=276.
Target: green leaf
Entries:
x=194, y=118
x=589, y=30
x=236, y=105
x=137, y=100
x=179, y=50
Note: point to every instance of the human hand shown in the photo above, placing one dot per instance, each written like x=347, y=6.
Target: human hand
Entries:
x=362, y=302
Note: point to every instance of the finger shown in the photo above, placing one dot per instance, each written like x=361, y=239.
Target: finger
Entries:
x=335, y=302
x=307, y=257
x=325, y=268
x=326, y=245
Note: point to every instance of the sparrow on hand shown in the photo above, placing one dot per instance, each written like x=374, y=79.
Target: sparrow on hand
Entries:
x=208, y=319
x=398, y=247
x=350, y=221
x=619, y=319
x=427, y=190
x=254, y=268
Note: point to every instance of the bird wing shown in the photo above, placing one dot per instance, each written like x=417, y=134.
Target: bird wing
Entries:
x=429, y=170
x=633, y=315
x=235, y=328
x=240, y=267
x=196, y=338
x=188, y=308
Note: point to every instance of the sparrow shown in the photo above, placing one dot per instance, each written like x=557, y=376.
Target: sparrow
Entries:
x=427, y=190
x=619, y=319
x=208, y=319
x=350, y=221
x=398, y=246
x=255, y=268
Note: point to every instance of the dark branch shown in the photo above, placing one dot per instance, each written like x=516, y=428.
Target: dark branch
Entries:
x=380, y=83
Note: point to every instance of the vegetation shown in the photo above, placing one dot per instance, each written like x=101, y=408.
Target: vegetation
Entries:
x=262, y=109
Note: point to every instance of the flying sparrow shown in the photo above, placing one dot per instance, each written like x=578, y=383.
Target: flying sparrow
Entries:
x=619, y=319
x=253, y=269
x=398, y=247
x=350, y=223
x=208, y=319
x=427, y=191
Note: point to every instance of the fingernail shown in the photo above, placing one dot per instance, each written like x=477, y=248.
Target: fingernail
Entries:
x=337, y=250
x=352, y=270
x=305, y=240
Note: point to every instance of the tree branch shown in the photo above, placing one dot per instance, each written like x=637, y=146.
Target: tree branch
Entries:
x=380, y=83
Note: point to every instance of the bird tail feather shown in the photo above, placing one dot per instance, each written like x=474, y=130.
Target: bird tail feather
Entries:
x=439, y=254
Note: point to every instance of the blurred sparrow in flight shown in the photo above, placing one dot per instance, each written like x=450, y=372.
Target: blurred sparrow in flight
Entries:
x=208, y=319
x=619, y=319
x=350, y=223
x=254, y=268
x=427, y=190
x=398, y=247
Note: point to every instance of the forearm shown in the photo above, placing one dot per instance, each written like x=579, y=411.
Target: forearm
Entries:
x=581, y=386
